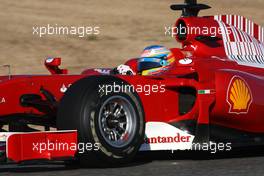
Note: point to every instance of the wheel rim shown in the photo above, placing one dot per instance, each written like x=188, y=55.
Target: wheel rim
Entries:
x=117, y=121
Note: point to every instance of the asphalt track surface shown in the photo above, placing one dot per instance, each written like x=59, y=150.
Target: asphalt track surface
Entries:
x=239, y=163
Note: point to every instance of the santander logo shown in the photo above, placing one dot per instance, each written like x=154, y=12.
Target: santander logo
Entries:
x=178, y=138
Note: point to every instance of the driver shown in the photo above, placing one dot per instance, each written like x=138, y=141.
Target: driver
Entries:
x=154, y=60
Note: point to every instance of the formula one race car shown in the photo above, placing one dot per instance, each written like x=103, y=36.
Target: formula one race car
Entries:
x=211, y=94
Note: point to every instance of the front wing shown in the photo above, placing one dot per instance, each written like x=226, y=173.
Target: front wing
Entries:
x=57, y=145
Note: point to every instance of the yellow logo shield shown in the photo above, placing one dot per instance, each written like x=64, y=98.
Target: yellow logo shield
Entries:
x=239, y=96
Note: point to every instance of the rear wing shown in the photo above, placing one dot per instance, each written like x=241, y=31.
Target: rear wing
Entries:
x=243, y=40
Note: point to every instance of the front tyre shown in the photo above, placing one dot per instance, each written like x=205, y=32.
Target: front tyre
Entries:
x=112, y=123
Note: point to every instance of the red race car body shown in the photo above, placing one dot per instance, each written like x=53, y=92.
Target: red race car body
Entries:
x=213, y=92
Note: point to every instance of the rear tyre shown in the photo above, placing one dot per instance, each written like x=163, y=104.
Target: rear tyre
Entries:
x=112, y=124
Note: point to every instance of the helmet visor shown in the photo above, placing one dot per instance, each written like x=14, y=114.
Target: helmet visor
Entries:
x=149, y=63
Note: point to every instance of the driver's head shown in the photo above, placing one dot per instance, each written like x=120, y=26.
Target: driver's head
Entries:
x=154, y=60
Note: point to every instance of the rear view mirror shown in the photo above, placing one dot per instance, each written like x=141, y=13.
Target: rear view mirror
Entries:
x=52, y=64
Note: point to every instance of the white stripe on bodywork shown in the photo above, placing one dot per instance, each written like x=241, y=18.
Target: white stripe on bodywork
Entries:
x=248, y=51
x=155, y=130
x=262, y=34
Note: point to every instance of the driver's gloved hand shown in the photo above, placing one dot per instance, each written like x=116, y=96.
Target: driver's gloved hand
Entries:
x=123, y=70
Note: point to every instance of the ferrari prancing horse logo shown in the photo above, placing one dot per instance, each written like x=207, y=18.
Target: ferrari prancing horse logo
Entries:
x=239, y=96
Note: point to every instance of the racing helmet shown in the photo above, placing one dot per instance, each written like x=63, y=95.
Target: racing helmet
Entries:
x=154, y=60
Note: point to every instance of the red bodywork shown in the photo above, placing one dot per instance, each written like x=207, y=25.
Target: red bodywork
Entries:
x=228, y=94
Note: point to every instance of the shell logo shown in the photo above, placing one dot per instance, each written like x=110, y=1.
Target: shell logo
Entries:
x=239, y=96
